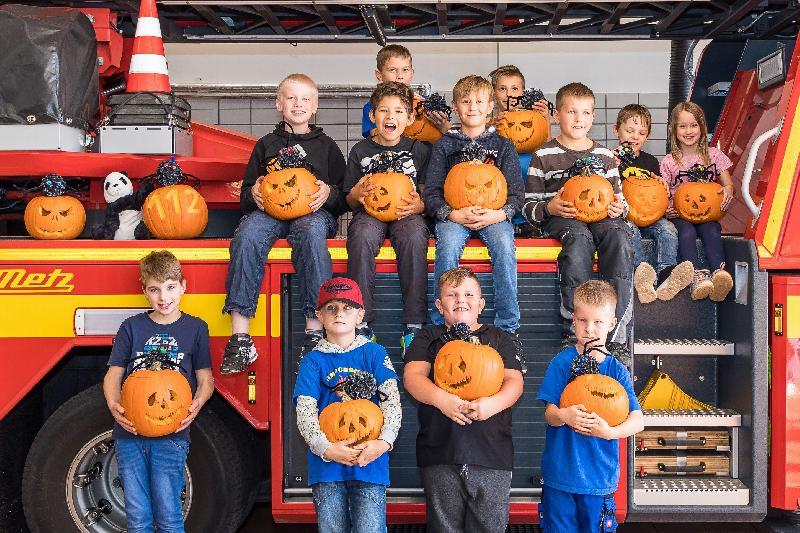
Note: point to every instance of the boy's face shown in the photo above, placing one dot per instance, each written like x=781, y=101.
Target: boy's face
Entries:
x=473, y=108
x=297, y=102
x=391, y=118
x=575, y=117
x=397, y=69
x=165, y=296
x=633, y=131
x=462, y=303
x=507, y=86
x=339, y=318
x=593, y=322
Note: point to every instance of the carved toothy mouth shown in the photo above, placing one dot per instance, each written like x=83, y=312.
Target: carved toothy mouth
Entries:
x=602, y=395
x=458, y=385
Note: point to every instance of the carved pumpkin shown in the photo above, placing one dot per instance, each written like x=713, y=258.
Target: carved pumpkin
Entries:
x=54, y=217
x=600, y=394
x=699, y=202
x=647, y=196
x=387, y=196
x=361, y=420
x=175, y=212
x=475, y=183
x=422, y=129
x=526, y=128
x=468, y=370
x=156, y=400
x=591, y=195
x=286, y=193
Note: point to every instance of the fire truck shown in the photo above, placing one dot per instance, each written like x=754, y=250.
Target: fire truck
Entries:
x=61, y=303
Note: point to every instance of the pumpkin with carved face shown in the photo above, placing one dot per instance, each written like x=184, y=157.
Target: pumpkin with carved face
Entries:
x=599, y=394
x=591, y=195
x=156, y=401
x=175, y=212
x=422, y=129
x=287, y=193
x=468, y=370
x=699, y=202
x=55, y=217
x=647, y=196
x=526, y=128
x=387, y=196
x=475, y=183
x=361, y=420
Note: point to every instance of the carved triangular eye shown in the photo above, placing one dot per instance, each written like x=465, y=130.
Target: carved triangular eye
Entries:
x=527, y=124
x=583, y=195
x=151, y=399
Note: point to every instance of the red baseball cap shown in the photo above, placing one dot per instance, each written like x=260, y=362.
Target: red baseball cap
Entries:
x=340, y=288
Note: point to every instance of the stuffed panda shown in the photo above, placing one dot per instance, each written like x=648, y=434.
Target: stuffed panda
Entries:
x=124, y=211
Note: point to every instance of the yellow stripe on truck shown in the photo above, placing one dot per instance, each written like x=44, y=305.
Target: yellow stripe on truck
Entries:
x=792, y=317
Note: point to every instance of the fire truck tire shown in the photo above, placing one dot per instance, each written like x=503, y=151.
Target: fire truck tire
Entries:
x=217, y=487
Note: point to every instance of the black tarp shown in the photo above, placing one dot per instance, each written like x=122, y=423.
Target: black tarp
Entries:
x=48, y=66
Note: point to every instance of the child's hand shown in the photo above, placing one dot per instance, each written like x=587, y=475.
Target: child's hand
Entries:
x=540, y=106
x=671, y=213
x=616, y=208
x=319, y=198
x=413, y=205
x=497, y=119
x=118, y=412
x=439, y=120
x=560, y=207
x=371, y=450
x=576, y=417
x=454, y=408
x=485, y=217
x=482, y=408
x=361, y=189
x=601, y=428
x=727, y=196
x=256, y=191
x=463, y=216
x=342, y=453
x=194, y=410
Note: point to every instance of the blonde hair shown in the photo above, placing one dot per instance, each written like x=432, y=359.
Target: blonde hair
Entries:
x=702, y=142
x=506, y=70
x=390, y=51
x=595, y=293
x=160, y=266
x=575, y=89
x=298, y=78
x=456, y=276
x=635, y=110
x=471, y=83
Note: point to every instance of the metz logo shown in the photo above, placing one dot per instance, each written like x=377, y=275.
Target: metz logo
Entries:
x=20, y=281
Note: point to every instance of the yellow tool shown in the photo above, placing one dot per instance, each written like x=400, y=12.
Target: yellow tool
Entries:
x=660, y=392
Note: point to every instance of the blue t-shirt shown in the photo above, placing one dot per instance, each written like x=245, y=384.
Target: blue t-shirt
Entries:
x=185, y=341
x=573, y=462
x=366, y=123
x=319, y=373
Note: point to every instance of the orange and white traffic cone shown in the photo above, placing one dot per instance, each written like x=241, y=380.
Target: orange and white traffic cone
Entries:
x=148, y=71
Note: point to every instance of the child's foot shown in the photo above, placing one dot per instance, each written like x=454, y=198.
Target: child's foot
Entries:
x=701, y=284
x=680, y=278
x=723, y=283
x=240, y=352
x=366, y=331
x=643, y=279
x=310, y=341
x=408, y=336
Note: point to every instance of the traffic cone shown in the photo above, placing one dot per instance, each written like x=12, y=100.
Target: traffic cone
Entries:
x=148, y=70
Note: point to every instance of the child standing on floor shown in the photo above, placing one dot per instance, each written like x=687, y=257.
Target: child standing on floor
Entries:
x=688, y=139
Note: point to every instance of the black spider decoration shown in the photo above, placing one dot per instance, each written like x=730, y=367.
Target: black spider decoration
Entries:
x=155, y=359
x=471, y=152
x=460, y=332
x=358, y=386
x=288, y=157
x=626, y=155
x=527, y=99
x=53, y=185
x=169, y=172
x=389, y=162
x=698, y=173
x=593, y=163
x=584, y=363
x=434, y=102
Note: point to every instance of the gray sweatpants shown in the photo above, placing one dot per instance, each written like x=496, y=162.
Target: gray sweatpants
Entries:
x=466, y=498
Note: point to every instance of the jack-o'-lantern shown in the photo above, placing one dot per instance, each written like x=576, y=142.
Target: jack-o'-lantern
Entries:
x=468, y=369
x=526, y=128
x=361, y=420
x=591, y=195
x=473, y=183
x=287, y=193
x=156, y=400
x=54, y=215
x=699, y=202
x=422, y=129
x=599, y=394
x=175, y=210
x=387, y=196
x=647, y=196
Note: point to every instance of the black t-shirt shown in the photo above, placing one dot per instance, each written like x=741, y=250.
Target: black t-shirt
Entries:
x=644, y=161
x=362, y=154
x=440, y=440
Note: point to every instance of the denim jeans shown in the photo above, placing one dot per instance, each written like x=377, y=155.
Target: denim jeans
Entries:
x=350, y=507
x=451, y=238
x=711, y=235
x=251, y=243
x=666, y=237
x=151, y=472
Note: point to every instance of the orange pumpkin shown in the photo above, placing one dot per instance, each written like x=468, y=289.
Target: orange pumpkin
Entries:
x=591, y=195
x=475, y=183
x=698, y=202
x=422, y=129
x=387, y=196
x=599, y=394
x=361, y=420
x=468, y=369
x=55, y=217
x=526, y=128
x=287, y=193
x=647, y=196
x=156, y=400
x=175, y=212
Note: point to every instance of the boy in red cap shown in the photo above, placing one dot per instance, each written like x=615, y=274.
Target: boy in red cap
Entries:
x=348, y=480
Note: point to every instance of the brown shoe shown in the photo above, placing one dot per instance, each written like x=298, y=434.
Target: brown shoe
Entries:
x=701, y=284
x=723, y=283
x=680, y=278
x=643, y=279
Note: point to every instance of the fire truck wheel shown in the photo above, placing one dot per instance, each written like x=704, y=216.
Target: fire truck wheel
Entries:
x=71, y=479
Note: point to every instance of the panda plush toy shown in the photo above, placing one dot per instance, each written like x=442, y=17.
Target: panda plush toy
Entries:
x=124, y=211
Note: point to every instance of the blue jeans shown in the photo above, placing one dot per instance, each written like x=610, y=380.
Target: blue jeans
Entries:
x=451, y=238
x=151, y=472
x=350, y=507
x=666, y=236
x=253, y=240
x=711, y=235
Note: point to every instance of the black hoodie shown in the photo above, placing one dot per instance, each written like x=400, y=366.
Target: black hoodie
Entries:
x=322, y=153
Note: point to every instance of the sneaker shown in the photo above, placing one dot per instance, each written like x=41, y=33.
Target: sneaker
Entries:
x=701, y=284
x=643, y=279
x=408, y=336
x=680, y=278
x=621, y=352
x=367, y=332
x=239, y=353
x=723, y=283
x=310, y=341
